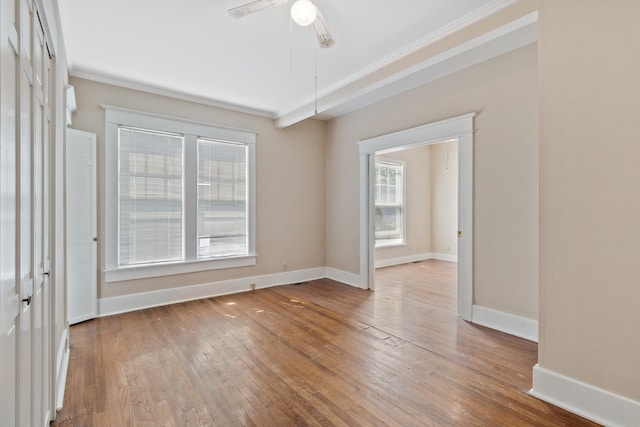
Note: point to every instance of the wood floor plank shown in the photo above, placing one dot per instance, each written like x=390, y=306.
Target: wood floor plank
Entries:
x=316, y=354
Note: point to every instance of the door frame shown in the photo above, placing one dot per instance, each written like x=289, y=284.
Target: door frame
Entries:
x=458, y=128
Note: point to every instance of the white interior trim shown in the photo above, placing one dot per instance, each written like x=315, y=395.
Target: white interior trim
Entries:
x=132, y=302
x=145, y=87
x=118, y=115
x=380, y=263
x=459, y=128
x=345, y=277
x=444, y=257
x=586, y=400
x=168, y=269
x=62, y=364
x=505, y=322
x=139, y=301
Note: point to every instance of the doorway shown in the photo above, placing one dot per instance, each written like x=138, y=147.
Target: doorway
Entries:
x=457, y=128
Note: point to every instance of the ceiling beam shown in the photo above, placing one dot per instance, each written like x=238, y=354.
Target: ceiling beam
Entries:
x=412, y=71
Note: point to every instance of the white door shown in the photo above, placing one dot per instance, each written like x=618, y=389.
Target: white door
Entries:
x=81, y=233
x=25, y=219
x=10, y=304
x=48, y=359
x=41, y=343
x=37, y=232
x=25, y=126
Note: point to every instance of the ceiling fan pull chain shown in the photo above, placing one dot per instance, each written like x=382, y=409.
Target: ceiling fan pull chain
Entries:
x=290, y=44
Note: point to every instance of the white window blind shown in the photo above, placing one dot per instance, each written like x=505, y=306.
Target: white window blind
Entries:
x=389, y=200
x=222, y=199
x=150, y=196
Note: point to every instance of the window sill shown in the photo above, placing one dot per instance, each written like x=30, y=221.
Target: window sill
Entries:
x=391, y=244
x=156, y=270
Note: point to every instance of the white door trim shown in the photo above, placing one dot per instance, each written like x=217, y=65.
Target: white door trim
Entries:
x=459, y=128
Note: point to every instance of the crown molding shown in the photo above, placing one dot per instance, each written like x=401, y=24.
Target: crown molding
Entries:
x=100, y=78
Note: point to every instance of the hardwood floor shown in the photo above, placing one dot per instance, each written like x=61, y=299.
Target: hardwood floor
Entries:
x=319, y=353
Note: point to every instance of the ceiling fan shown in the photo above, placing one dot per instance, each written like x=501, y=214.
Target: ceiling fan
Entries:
x=303, y=12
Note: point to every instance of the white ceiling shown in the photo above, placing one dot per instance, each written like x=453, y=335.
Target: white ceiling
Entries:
x=258, y=63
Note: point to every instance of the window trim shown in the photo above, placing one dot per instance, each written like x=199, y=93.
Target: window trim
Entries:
x=115, y=116
x=401, y=241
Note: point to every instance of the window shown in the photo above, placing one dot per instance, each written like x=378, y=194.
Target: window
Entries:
x=389, y=202
x=150, y=201
x=222, y=208
x=179, y=196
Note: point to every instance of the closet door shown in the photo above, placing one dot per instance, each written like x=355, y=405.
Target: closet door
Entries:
x=25, y=214
x=48, y=342
x=38, y=271
x=10, y=304
x=40, y=301
x=25, y=302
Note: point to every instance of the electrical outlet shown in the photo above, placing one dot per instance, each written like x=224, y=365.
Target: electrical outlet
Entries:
x=284, y=266
x=253, y=286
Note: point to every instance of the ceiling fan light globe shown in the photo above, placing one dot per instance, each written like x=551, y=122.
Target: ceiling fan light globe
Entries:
x=304, y=12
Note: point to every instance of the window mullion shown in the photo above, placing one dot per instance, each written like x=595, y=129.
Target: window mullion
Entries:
x=191, y=197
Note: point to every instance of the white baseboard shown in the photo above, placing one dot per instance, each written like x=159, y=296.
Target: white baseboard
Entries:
x=593, y=403
x=465, y=308
x=505, y=322
x=139, y=301
x=415, y=258
x=445, y=257
x=62, y=364
x=345, y=277
x=402, y=260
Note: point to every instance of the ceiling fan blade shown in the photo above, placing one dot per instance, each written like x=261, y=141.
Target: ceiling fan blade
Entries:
x=254, y=6
x=322, y=31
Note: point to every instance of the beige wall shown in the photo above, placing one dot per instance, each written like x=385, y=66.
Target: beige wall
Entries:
x=589, y=187
x=503, y=91
x=444, y=198
x=290, y=184
x=417, y=204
